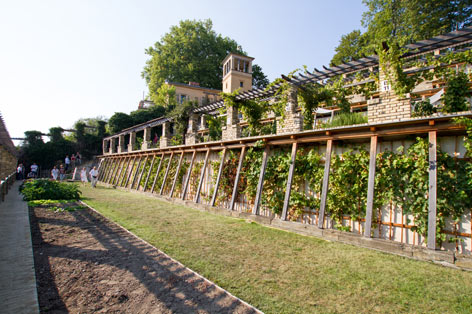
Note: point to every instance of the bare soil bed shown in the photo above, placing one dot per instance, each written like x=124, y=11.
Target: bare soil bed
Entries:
x=85, y=264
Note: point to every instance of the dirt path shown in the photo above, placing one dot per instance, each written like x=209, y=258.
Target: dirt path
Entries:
x=85, y=263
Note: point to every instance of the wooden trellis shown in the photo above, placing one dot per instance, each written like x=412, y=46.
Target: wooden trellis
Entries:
x=125, y=165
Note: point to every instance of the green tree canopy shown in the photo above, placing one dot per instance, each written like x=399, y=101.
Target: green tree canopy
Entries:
x=401, y=22
x=191, y=52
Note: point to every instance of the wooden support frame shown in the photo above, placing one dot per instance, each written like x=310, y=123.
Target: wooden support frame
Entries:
x=165, y=175
x=107, y=169
x=189, y=173
x=288, y=189
x=126, y=172
x=432, y=200
x=99, y=167
x=324, y=190
x=149, y=173
x=202, y=176
x=130, y=172
x=101, y=174
x=112, y=170
x=157, y=173
x=371, y=186
x=260, y=185
x=122, y=164
x=136, y=173
x=217, y=183
x=176, y=174
x=238, y=176
x=142, y=172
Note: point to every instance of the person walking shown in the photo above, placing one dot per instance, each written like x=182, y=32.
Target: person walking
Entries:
x=20, y=172
x=62, y=173
x=78, y=158
x=83, y=176
x=67, y=162
x=55, y=173
x=34, y=170
x=94, y=176
x=72, y=160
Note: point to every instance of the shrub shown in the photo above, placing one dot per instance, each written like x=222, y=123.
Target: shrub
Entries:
x=346, y=119
x=46, y=189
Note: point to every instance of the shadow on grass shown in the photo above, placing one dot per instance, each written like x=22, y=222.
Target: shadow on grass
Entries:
x=163, y=277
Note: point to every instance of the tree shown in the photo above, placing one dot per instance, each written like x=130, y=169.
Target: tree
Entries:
x=259, y=79
x=191, y=52
x=399, y=22
x=119, y=121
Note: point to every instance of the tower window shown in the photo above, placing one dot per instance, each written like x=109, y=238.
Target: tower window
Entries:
x=241, y=84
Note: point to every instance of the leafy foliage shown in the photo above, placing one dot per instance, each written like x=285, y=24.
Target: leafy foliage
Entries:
x=346, y=119
x=41, y=189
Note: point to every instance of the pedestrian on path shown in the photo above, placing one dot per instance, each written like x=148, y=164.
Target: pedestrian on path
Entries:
x=34, y=170
x=62, y=173
x=55, y=173
x=67, y=162
x=94, y=176
x=20, y=172
x=83, y=176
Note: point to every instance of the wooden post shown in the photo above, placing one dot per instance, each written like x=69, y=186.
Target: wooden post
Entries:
x=157, y=173
x=288, y=189
x=126, y=172
x=432, y=191
x=110, y=176
x=238, y=176
x=104, y=165
x=142, y=172
x=370, y=187
x=176, y=174
x=202, y=176
x=106, y=170
x=130, y=172
x=149, y=173
x=217, y=183
x=189, y=173
x=324, y=190
x=165, y=175
x=123, y=160
x=136, y=173
x=260, y=185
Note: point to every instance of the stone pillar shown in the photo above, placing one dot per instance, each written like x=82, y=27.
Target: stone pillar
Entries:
x=165, y=138
x=132, y=141
x=388, y=107
x=121, y=143
x=191, y=136
x=111, y=148
x=232, y=129
x=202, y=125
x=146, y=139
x=105, y=146
x=293, y=121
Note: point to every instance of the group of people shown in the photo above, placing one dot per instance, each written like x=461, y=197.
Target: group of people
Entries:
x=75, y=159
x=60, y=174
x=21, y=170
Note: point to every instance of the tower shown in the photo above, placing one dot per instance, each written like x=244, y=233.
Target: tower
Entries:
x=237, y=73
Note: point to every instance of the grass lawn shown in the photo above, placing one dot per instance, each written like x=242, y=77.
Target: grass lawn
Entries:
x=282, y=272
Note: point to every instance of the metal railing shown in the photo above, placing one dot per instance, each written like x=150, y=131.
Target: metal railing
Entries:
x=6, y=184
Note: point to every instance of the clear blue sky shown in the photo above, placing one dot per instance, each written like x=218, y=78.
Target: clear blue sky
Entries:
x=64, y=60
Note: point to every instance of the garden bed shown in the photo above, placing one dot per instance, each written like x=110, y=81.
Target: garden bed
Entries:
x=84, y=263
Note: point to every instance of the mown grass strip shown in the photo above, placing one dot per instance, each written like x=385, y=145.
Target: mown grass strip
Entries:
x=282, y=272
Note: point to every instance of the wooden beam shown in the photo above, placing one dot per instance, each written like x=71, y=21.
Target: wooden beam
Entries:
x=123, y=160
x=142, y=172
x=202, y=176
x=130, y=172
x=432, y=191
x=176, y=174
x=157, y=173
x=288, y=189
x=101, y=174
x=189, y=173
x=324, y=190
x=136, y=173
x=371, y=187
x=99, y=167
x=260, y=185
x=238, y=176
x=165, y=175
x=149, y=173
x=217, y=183
x=107, y=170
x=126, y=172
x=110, y=176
